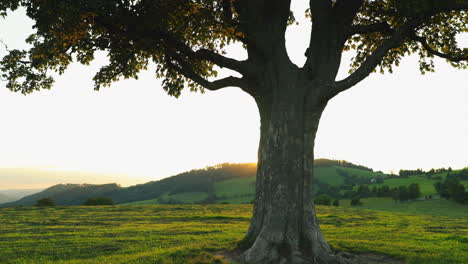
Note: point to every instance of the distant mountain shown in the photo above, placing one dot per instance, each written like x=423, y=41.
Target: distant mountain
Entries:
x=5, y=199
x=66, y=194
x=16, y=194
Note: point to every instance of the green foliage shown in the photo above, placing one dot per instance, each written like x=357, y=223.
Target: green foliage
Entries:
x=44, y=202
x=439, y=29
x=323, y=199
x=133, y=33
x=451, y=188
x=356, y=201
x=101, y=200
x=414, y=191
x=184, y=39
x=185, y=234
x=336, y=203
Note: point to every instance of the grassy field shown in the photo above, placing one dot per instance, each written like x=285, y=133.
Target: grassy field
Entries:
x=183, y=234
x=438, y=207
x=331, y=176
x=235, y=187
x=426, y=186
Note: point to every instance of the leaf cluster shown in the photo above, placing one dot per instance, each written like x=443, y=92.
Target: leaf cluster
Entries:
x=133, y=33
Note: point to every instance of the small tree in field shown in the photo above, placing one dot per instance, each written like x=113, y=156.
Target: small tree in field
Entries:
x=45, y=202
x=413, y=191
x=356, y=201
x=185, y=39
x=323, y=199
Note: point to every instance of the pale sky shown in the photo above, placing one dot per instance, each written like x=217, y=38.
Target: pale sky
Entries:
x=133, y=132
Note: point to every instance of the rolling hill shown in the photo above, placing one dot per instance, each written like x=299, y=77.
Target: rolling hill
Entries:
x=224, y=183
x=66, y=194
x=230, y=183
x=235, y=184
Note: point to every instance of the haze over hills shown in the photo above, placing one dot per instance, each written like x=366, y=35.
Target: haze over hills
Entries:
x=66, y=194
x=16, y=194
x=30, y=178
x=5, y=199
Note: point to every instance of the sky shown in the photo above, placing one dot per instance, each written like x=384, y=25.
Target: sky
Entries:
x=133, y=132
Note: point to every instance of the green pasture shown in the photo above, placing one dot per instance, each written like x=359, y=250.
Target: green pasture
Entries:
x=189, y=234
x=437, y=207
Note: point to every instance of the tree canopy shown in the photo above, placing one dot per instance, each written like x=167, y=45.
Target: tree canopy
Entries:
x=185, y=39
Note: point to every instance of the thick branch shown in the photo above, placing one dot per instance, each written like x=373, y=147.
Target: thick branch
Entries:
x=320, y=9
x=227, y=12
x=209, y=55
x=209, y=85
x=376, y=57
x=185, y=69
x=347, y=9
x=425, y=44
x=382, y=27
x=368, y=66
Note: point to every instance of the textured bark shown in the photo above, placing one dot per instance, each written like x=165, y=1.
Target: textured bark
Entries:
x=284, y=228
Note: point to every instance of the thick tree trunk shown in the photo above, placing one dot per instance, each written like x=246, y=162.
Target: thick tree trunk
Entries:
x=284, y=228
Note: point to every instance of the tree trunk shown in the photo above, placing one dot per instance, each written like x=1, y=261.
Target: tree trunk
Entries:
x=284, y=227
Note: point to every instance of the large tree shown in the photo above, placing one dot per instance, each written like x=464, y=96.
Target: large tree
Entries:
x=186, y=40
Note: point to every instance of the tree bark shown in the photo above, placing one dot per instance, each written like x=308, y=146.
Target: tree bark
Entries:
x=284, y=228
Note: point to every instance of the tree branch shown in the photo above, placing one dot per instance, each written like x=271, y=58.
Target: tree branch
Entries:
x=184, y=69
x=383, y=27
x=425, y=44
x=347, y=9
x=375, y=58
x=320, y=9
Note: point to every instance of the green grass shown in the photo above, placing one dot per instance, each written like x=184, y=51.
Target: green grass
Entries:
x=235, y=187
x=438, y=207
x=183, y=234
x=246, y=199
x=186, y=198
x=330, y=175
x=426, y=186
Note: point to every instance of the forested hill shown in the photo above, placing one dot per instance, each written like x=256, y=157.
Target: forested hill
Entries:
x=200, y=183
x=233, y=183
x=66, y=194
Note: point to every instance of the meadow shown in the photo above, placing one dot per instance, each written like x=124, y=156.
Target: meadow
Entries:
x=439, y=207
x=195, y=234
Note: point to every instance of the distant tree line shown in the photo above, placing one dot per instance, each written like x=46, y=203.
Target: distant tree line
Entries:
x=452, y=189
x=101, y=200
x=45, y=202
x=420, y=172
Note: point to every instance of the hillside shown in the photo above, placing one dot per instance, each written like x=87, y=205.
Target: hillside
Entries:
x=190, y=234
x=224, y=183
x=66, y=194
x=232, y=183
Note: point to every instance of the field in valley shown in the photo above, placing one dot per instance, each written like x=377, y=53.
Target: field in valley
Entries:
x=170, y=234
